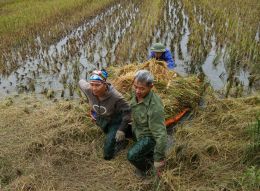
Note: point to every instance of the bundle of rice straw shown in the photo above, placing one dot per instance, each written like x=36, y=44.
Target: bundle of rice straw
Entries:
x=177, y=93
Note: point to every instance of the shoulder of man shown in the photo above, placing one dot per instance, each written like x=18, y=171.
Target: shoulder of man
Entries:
x=156, y=102
x=84, y=85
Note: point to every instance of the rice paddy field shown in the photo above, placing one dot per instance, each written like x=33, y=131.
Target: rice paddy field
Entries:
x=49, y=45
x=48, y=143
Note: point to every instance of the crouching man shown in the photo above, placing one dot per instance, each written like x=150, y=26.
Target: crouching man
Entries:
x=109, y=110
x=148, y=126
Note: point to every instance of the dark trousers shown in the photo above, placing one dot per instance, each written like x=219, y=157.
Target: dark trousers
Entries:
x=141, y=154
x=109, y=127
x=110, y=142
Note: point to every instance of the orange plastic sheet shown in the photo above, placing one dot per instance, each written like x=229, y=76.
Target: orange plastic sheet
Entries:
x=176, y=118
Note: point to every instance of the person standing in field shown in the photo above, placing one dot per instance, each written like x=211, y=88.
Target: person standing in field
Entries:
x=148, y=126
x=109, y=111
x=160, y=52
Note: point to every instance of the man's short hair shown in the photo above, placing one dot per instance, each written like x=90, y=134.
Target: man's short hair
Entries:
x=144, y=76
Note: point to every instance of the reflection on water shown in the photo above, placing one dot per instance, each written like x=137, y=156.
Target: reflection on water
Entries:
x=59, y=67
x=215, y=69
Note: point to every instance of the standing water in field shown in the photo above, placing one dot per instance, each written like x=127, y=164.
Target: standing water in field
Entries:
x=55, y=70
x=59, y=67
x=174, y=33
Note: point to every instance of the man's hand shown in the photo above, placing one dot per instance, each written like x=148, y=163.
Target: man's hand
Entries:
x=120, y=136
x=158, y=165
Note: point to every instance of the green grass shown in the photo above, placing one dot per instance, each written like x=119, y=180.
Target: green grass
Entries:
x=17, y=15
x=252, y=154
x=22, y=20
x=251, y=179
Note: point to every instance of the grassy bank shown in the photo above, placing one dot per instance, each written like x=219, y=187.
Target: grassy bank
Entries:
x=54, y=146
x=214, y=150
x=22, y=21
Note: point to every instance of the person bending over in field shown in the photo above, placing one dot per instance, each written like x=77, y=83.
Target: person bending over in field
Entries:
x=160, y=52
x=148, y=126
x=109, y=110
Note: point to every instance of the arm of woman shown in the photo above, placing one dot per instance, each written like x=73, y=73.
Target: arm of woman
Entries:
x=123, y=107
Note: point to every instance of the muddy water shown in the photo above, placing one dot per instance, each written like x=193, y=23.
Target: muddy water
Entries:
x=58, y=68
x=176, y=36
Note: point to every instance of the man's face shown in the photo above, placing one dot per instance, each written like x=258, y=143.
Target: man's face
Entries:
x=158, y=54
x=98, y=88
x=141, y=89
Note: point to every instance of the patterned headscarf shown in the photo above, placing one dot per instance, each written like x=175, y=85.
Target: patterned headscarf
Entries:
x=99, y=75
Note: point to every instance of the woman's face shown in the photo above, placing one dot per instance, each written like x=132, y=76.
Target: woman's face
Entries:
x=98, y=88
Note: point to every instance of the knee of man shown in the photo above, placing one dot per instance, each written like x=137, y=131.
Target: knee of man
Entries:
x=130, y=155
x=108, y=157
x=108, y=154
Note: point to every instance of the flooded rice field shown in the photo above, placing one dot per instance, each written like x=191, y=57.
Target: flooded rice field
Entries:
x=55, y=70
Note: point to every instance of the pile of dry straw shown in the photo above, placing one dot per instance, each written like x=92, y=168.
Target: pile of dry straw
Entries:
x=176, y=92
